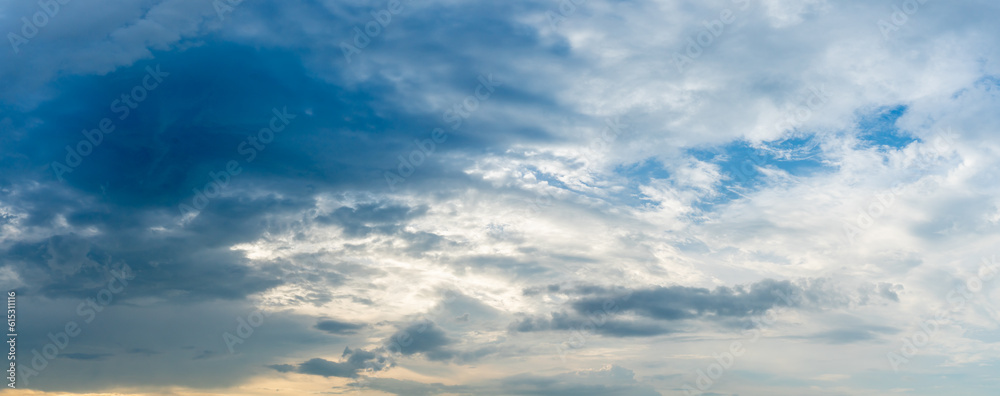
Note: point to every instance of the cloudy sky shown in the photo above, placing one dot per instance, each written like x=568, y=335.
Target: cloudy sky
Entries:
x=454, y=197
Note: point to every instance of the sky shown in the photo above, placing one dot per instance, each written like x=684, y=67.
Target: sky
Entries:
x=454, y=197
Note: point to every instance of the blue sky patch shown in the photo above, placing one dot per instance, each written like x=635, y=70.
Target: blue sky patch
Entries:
x=879, y=129
x=741, y=162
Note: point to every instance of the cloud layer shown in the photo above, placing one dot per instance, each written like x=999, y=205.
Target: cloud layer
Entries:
x=458, y=197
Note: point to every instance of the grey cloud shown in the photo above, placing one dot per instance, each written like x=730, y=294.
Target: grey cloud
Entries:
x=327, y=368
x=423, y=337
x=599, y=309
x=680, y=302
x=195, y=260
x=357, y=361
x=533, y=291
x=338, y=327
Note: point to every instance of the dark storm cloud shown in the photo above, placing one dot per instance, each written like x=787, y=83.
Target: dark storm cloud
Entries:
x=215, y=95
x=196, y=121
x=134, y=179
x=212, y=96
